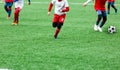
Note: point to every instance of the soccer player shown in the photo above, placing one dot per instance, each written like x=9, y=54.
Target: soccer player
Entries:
x=111, y=3
x=101, y=13
x=61, y=7
x=8, y=7
x=18, y=6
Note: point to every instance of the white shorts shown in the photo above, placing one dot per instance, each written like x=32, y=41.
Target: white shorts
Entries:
x=19, y=3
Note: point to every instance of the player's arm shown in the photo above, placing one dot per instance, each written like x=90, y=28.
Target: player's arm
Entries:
x=50, y=8
x=66, y=9
x=29, y=2
x=3, y=0
x=85, y=3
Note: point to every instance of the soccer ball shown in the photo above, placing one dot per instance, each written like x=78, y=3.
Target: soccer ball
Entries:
x=111, y=29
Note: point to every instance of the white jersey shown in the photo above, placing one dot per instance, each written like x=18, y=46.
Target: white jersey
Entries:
x=59, y=6
x=19, y=3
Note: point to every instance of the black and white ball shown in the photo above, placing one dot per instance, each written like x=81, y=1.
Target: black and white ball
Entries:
x=111, y=29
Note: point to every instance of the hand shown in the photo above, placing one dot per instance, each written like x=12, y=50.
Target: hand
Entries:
x=60, y=10
x=48, y=13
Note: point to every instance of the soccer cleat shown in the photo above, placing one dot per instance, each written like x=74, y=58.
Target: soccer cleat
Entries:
x=100, y=29
x=14, y=23
x=116, y=11
x=55, y=36
x=8, y=17
x=108, y=12
x=95, y=27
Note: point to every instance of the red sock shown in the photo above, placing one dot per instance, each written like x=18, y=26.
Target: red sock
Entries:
x=57, y=31
x=16, y=15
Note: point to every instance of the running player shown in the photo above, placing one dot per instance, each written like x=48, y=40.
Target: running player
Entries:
x=18, y=6
x=101, y=13
x=61, y=7
x=111, y=3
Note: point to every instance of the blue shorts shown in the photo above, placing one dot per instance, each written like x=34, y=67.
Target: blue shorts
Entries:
x=8, y=3
x=110, y=3
x=103, y=13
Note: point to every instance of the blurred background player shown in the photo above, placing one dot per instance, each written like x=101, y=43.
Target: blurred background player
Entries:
x=111, y=3
x=101, y=12
x=18, y=6
x=61, y=7
x=8, y=7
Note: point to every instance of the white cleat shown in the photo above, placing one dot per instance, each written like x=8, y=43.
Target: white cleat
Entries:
x=95, y=27
x=100, y=29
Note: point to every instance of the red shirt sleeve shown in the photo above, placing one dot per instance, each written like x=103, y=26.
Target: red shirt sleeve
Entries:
x=66, y=9
x=50, y=7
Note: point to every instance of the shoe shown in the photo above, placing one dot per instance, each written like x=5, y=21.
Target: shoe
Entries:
x=116, y=11
x=8, y=17
x=15, y=24
x=55, y=36
x=95, y=27
x=108, y=12
x=100, y=29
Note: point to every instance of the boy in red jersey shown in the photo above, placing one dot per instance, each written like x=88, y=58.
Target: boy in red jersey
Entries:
x=111, y=3
x=101, y=12
x=61, y=7
x=18, y=7
x=8, y=7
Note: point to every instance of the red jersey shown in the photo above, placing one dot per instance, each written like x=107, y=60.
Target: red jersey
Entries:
x=8, y=0
x=111, y=0
x=100, y=5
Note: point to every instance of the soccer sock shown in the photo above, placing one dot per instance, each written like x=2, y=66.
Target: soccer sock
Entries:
x=5, y=7
x=103, y=21
x=57, y=32
x=9, y=11
x=113, y=6
x=98, y=19
x=108, y=8
x=16, y=15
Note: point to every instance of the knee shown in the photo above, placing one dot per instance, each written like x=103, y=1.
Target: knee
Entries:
x=54, y=24
x=104, y=19
x=59, y=25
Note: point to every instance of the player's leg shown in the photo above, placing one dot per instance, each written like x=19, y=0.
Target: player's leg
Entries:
x=113, y=6
x=18, y=7
x=55, y=21
x=99, y=13
x=5, y=6
x=16, y=15
x=108, y=7
x=10, y=9
x=104, y=16
x=59, y=25
x=9, y=12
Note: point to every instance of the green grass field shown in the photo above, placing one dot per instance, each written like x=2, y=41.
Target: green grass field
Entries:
x=31, y=46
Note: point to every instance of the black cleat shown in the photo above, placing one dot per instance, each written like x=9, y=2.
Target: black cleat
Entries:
x=108, y=12
x=116, y=11
x=55, y=36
